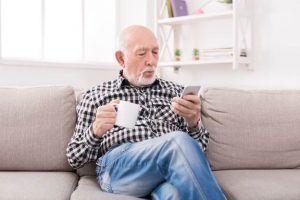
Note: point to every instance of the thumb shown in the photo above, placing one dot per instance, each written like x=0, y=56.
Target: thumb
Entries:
x=115, y=101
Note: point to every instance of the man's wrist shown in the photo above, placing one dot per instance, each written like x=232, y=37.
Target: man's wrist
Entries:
x=91, y=138
x=194, y=124
x=194, y=128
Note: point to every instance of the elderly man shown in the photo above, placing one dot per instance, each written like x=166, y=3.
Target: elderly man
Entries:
x=162, y=156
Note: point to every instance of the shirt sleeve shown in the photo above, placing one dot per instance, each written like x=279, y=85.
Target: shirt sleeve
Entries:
x=84, y=145
x=200, y=134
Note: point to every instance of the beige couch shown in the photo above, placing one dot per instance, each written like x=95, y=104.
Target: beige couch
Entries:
x=254, y=147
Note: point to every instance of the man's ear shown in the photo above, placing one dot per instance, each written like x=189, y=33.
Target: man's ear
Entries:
x=120, y=58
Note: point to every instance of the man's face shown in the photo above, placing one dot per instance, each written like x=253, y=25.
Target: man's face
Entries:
x=140, y=60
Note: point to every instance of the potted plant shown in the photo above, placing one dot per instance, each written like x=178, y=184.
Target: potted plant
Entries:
x=196, y=54
x=227, y=4
x=225, y=1
x=177, y=54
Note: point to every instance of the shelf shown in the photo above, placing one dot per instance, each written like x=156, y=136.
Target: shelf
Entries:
x=179, y=32
x=191, y=18
x=195, y=63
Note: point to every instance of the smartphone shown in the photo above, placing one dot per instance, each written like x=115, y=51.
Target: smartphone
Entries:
x=191, y=90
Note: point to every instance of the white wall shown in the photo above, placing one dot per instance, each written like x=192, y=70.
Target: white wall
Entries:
x=79, y=78
x=276, y=58
x=132, y=12
x=276, y=54
x=129, y=11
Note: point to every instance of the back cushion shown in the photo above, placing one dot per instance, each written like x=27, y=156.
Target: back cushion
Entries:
x=35, y=127
x=90, y=168
x=252, y=129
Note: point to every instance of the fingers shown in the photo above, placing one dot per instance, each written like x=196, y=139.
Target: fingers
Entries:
x=106, y=114
x=106, y=111
x=110, y=107
x=187, y=103
x=191, y=98
x=185, y=112
x=115, y=101
x=188, y=107
x=105, y=118
x=180, y=109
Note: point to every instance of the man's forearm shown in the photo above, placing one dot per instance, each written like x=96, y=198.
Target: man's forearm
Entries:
x=83, y=148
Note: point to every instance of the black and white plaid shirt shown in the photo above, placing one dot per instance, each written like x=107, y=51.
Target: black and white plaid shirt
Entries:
x=155, y=118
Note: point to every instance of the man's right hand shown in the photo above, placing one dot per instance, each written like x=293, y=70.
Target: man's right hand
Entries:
x=105, y=118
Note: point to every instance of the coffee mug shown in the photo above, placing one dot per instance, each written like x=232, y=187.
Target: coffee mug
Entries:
x=127, y=114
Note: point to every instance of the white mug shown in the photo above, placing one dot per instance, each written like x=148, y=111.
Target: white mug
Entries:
x=127, y=114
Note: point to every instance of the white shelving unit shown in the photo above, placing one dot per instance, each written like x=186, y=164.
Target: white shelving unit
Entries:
x=191, y=18
x=241, y=38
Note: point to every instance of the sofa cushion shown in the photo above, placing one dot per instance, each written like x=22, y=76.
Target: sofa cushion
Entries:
x=36, y=126
x=252, y=129
x=260, y=184
x=37, y=185
x=89, y=169
x=88, y=188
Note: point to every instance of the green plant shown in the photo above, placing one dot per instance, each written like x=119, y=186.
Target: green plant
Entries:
x=177, y=52
x=195, y=52
x=225, y=1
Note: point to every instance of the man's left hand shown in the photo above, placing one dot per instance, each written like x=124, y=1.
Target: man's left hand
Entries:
x=188, y=107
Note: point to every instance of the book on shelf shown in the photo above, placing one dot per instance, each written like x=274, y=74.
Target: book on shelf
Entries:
x=201, y=57
x=222, y=49
x=179, y=8
x=213, y=53
x=169, y=8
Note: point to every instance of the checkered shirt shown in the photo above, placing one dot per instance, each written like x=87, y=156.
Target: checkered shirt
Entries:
x=155, y=118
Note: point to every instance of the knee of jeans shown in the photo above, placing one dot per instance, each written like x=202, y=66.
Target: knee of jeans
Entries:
x=181, y=138
x=186, y=143
x=165, y=191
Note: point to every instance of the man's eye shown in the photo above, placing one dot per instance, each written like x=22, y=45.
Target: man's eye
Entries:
x=141, y=54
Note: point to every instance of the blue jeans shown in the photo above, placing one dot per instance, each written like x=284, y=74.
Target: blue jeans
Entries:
x=172, y=166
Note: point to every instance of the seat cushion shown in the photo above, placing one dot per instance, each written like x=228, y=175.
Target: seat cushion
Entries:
x=88, y=188
x=252, y=129
x=36, y=126
x=89, y=169
x=37, y=185
x=260, y=184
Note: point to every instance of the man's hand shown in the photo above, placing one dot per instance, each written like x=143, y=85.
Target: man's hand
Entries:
x=105, y=118
x=188, y=107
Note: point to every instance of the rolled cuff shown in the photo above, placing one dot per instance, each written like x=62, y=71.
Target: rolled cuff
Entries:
x=91, y=138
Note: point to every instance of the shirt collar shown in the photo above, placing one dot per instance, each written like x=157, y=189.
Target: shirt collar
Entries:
x=121, y=81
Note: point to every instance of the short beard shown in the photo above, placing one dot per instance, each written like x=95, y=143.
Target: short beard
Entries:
x=140, y=81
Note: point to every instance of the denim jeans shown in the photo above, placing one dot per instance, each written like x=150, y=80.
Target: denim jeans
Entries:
x=172, y=166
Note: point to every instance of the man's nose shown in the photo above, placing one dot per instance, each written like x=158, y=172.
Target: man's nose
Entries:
x=150, y=59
